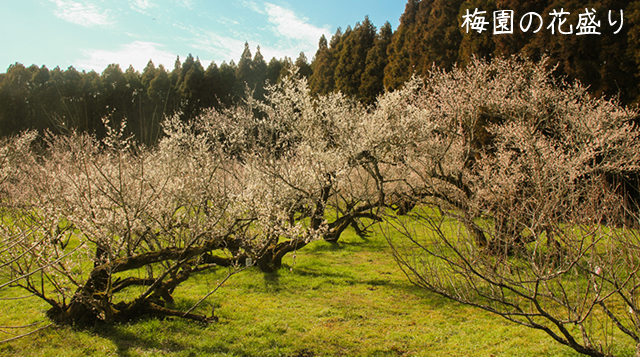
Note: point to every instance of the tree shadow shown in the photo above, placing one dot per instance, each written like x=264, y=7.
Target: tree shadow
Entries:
x=386, y=280
x=126, y=341
x=342, y=278
x=130, y=343
x=272, y=281
x=351, y=245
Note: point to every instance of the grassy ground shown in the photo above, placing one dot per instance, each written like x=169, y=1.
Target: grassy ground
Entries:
x=344, y=299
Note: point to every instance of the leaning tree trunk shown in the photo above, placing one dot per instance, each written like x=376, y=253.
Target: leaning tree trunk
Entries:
x=271, y=259
x=93, y=301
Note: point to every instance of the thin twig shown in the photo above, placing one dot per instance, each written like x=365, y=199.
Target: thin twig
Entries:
x=18, y=298
x=26, y=334
x=214, y=290
x=23, y=326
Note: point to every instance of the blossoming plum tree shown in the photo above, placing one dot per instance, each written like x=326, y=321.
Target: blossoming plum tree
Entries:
x=518, y=179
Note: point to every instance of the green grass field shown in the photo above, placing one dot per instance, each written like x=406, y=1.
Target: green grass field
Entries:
x=344, y=299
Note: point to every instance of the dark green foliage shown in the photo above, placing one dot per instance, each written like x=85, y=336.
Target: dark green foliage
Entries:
x=66, y=100
x=304, y=69
x=273, y=70
x=251, y=73
x=189, y=87
x=400, y=68
x=356, y=44
x=430, y=33
x=259, y=68
x=322, y=81
x=353, y=62
x=211, y=87
x=228, y=80
x=244, y=72
x=13, y=99
x=371, y=82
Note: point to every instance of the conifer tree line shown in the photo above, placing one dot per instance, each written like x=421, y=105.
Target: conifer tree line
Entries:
x=360, y=61
x=61, y=100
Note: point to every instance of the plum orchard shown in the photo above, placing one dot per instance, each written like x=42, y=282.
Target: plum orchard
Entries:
x=505, y=190
x=85, y=220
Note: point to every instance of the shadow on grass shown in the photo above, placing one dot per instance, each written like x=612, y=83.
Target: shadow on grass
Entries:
x=173, y=338
x=357, y=244
x=161, y=342
x=327, y=276
x=272, y=281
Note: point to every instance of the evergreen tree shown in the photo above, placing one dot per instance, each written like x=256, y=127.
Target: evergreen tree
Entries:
x=400, y=68
x=323, y=67
x=228, y=83
x=259, y=71
x=287, y=66
x=429, y=34
x=210, y=87
x=159, y=91
x=150, y=113
x=114, y=98
x=189, y=87
x=371, y=83
x=148, y=74
x=40, y=98
x=172, y=104
x=438, y=34
x=304, y=69
x=244, y=72
x=476, y=44
x=273, y=70
x=13, y=99
x=91, y=91
x=133, y=94
x=602, y=62
x=177, y=70
x=352, y=58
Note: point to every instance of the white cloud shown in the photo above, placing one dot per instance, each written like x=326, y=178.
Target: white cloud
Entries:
x=227, y=21
x=137, y=54
x=290, y=26
x=253, y=6
x=141, y=5
x=185, y=3
x=82, y=14
x=293, y=34
x=217, y=45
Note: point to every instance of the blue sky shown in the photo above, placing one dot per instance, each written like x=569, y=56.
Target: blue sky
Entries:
x=89, y=35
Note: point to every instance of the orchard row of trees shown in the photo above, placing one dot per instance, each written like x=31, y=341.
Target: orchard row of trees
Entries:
x=232, y=188
x=496, y=185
